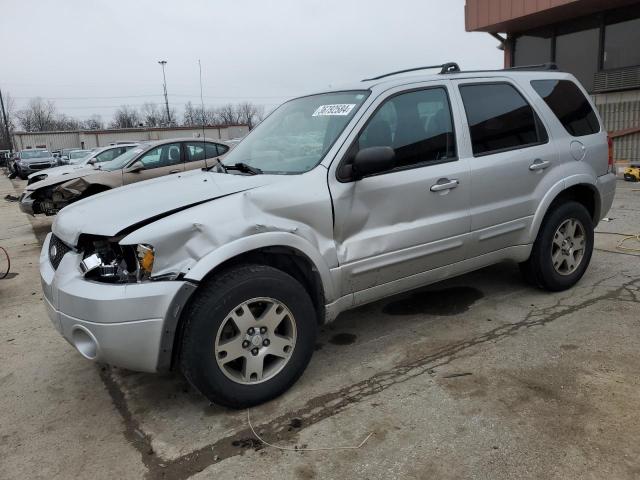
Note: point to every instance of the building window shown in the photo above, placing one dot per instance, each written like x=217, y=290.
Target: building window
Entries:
x=500, y=119
x=620, y=44
x=533, y=48
x=577, y=52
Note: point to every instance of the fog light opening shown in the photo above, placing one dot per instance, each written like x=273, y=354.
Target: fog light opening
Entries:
x=85, y=343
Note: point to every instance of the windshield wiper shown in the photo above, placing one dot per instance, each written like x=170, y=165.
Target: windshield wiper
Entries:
x=217, y=164
x=244, y=168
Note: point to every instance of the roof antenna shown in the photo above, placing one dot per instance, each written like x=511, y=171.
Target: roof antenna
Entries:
x=204, y=145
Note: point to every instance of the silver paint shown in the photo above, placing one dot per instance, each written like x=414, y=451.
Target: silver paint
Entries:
x=366, y=239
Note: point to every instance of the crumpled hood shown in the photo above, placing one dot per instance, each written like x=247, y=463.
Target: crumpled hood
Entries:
x=62, y=170
x=53, y=179
x=112, y=212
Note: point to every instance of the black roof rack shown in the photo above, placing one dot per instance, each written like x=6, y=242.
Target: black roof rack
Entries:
x=450, y=67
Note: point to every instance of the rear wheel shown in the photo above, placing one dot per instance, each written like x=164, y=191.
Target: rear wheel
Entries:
x=249, y=336
x=562, y=251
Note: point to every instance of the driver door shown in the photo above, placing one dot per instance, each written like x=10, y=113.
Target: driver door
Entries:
x=163, y=160
x=400, y=223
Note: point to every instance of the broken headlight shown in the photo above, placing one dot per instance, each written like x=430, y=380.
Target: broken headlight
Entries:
x=105, y=260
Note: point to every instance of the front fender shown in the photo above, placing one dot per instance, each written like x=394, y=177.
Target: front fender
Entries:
x=263, y=240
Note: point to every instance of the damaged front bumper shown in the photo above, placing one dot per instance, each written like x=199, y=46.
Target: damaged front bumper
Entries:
x=47, y=200
x=127, y=325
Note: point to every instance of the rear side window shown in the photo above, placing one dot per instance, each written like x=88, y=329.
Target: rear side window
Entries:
x=500, y=119
x=568, y=103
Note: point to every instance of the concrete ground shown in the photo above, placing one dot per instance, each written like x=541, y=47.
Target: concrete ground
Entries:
x=477, y=377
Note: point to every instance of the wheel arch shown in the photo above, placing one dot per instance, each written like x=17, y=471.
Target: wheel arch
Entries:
x=580, y=188
x=309, y=270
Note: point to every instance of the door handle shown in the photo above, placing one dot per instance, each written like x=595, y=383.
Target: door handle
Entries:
x=539, y=165
x=175, y=171
x=444, y=184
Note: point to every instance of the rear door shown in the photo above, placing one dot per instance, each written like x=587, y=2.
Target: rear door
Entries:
x=510, y=160
x=162, y=160
x=583, y=140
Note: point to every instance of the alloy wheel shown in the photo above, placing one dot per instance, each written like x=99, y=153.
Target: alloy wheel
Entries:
x=568, y=248
x=255, y=341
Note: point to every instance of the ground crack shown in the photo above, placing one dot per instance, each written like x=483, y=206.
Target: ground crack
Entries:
x=330, y=404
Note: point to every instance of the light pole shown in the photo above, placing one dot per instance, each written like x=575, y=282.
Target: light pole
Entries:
x=166, y=98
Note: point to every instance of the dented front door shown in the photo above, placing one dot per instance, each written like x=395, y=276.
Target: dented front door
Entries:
x=415, y=217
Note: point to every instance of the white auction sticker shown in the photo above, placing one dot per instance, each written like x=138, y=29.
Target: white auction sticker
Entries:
x=335, y=109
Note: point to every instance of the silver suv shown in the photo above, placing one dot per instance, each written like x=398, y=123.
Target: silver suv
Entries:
x=337, y=199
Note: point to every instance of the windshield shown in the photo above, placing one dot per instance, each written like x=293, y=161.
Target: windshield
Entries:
x=78, y=155
x=35, y=154
x=296, y=137
x=119, y=162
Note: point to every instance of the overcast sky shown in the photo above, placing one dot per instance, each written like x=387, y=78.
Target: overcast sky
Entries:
x=92, y=56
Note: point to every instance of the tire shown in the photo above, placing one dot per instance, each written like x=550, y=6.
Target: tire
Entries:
x=539, y=269
x=213, y=313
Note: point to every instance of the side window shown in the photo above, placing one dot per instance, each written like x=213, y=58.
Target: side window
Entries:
x=568, y=103
x=417, y=125
x=500, y=118
x=162, y=156
x=216, y=149
x=107, y=155
x=196, y=150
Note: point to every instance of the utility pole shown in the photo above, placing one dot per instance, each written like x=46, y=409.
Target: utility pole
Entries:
x=164, y=84
x=6, y=125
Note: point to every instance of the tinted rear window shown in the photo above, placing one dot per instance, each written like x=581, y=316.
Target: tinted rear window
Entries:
x=568, y=103
x=500, y=118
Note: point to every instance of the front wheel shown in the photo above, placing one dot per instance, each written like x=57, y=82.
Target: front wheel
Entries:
x=249, y=336
x=562, y=251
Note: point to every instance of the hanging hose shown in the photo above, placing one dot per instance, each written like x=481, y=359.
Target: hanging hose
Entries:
x=8, y=263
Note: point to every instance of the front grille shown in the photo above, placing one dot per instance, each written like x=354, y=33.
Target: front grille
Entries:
x=57, y=250
x=39, y=166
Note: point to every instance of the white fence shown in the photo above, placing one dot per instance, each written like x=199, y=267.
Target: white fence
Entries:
x=100, y=138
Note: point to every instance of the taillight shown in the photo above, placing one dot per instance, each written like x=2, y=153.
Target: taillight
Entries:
x=610, y=144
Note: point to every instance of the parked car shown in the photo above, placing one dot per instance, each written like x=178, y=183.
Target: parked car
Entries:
x=97, y=155
x=143, y=162
x=335, y=200
x=33, y=160
x=64, y=155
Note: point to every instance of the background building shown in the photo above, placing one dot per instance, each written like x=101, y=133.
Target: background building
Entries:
x=596, y=40
x=100, y=138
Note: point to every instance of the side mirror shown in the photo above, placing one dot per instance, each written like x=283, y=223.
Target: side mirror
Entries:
x=65, y=157
x=369, y=161
x=136, y=167
x=93, y=161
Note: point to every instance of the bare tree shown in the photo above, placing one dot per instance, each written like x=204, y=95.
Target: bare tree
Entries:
x=64, y=122
x=195, y=116
x=249, y=114
x=125, y=117
x=151, y=115
x=227, y=115
x=190, y=117
x=93, y=123
x=39, y=116
x=9, y=108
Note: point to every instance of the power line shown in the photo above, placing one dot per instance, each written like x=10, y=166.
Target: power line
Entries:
x=182, y=95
